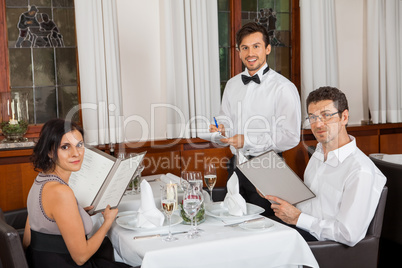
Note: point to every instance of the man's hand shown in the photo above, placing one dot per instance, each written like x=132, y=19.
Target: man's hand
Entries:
x=236, y=141
x=220, y=128
x=283, y=210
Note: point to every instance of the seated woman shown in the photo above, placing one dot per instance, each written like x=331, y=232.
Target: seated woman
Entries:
x=56, y=228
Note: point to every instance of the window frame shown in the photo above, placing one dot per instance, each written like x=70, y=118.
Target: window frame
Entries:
x=5, y=90
x=235, y=25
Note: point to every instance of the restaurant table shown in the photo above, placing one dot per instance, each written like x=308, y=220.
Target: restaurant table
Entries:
x=218, y=246
x=391, y=158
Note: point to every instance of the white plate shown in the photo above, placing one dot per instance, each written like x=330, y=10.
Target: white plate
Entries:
x=218, y=210
x=131, y=222
x=257, y=225
x=126, y=213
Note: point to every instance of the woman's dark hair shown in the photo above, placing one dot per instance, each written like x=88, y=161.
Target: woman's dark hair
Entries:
x=49, y=141
x=328, y=93
x=250, y=28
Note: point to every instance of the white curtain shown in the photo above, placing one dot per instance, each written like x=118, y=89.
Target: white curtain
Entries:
x=319, y=55
x=384, y=60
x=191, y=49
x=98, y=56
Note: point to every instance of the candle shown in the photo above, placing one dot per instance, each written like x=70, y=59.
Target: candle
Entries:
x=13, y=122
x=12, y=109
x=18, y=109
x=171, y=193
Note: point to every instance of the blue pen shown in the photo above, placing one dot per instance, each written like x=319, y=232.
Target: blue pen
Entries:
x=216, y=123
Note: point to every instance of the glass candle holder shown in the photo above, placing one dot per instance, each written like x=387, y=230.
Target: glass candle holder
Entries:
x=17, y=108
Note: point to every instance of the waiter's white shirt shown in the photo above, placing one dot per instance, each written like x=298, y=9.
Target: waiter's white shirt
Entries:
x=268, y=114
x=347, y=186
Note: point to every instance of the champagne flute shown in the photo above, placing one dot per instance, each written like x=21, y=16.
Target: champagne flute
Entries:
x=210, y=177
x=197, y=184
x=168, y=203
x=191, y=204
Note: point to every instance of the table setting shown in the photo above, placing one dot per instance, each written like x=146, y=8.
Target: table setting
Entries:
x=150, y=229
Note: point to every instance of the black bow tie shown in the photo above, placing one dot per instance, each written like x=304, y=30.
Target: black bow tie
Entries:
x=246, y=79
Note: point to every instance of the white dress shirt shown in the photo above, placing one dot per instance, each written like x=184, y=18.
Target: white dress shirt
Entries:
x=268, y=114
x=347, y=186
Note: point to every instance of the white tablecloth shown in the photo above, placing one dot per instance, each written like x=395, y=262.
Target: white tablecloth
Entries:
x=392, y=158
x=218, y=246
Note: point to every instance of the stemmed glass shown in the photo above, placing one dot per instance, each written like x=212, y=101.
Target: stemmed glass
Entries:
x=121, y=155
x=168, y=203
x=210, y=177
x=185, y=176
x=197, y=184
x=136, y=179
x=192, y=201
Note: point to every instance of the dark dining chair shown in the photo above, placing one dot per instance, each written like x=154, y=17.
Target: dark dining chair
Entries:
x=391, y=237
x=12, y=254
x=330, y=254
x=218, y=193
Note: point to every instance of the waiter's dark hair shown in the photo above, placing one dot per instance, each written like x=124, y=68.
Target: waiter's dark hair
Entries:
x=250, y=28
x=328, y=93
x=45, y=151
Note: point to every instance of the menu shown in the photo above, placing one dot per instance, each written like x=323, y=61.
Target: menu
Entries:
x=269, y=173
x=102, y=179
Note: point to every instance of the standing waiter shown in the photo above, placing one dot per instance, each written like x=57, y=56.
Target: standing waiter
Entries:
x=260, y=108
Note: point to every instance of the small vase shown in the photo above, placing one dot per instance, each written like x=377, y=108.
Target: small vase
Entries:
x=200, y=217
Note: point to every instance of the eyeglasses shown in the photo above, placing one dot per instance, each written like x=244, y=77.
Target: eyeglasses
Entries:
x=323, y=117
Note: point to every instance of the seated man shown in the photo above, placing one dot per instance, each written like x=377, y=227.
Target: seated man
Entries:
x=346, y=182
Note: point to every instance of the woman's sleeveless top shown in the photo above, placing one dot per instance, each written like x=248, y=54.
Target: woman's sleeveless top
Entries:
x=38, y=220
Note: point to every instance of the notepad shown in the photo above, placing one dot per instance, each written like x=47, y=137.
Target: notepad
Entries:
x=214, y=137
x=269, y=173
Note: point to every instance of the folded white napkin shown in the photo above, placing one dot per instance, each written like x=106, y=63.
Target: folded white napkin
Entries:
x=233, y=200
x=170, y=178
x=148, y=215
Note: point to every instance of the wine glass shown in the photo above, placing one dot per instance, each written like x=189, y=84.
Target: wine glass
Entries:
x=210, y=177
x=136, y=179
x=192, y=201
x=185, y=176
x=121, y=155
x=194, y=179
x=168, y=203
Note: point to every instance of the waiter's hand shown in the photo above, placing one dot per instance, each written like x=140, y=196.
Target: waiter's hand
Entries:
x=220, y=128
x=236, y=141
x=284, y=210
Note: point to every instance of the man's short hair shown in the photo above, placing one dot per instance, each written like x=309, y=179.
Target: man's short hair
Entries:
x=328, y=93
x=250, y=28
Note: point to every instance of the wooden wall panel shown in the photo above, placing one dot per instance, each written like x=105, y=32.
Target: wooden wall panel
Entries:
x=15, y=182
x=193, y=160
x=162, y=163
x=297, y=157
x=391, y=143
x=368, y=144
